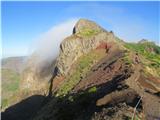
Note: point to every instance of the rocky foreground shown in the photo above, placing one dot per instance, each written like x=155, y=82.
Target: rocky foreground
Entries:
x=96, y=76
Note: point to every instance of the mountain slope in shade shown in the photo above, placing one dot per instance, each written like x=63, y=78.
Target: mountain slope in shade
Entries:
x=97, y=76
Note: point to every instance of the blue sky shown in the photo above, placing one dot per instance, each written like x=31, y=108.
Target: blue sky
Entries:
x=23, y=22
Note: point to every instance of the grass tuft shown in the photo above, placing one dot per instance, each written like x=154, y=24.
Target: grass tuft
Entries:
x=82, y=67
x=86, y=32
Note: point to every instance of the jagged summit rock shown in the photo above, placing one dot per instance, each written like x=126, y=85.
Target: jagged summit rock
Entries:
x=84, y=24
x=87, y=36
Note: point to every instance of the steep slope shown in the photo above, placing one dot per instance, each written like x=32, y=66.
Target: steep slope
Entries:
x=80, y=51
x=87, y=36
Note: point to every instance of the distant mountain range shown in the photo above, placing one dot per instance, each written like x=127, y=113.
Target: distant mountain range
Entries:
x=14, y=63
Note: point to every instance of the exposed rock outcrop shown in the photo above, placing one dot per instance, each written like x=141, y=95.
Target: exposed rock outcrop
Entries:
x=84, y=24
x=87, y=36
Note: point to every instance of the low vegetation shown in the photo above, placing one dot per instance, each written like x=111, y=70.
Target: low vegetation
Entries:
x=151, y=53
x=127, y=59
x=148, y=49
x=87, y=32
x=10, y=85
x=82, y=67
x=92, y=90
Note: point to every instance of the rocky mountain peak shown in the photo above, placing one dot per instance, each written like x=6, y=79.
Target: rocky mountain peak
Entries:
x=87, y=36
x=84, y=24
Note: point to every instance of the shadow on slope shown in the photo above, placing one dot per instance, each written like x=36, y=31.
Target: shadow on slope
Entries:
x=74, y=106
x=80, y=105
x=23, y=110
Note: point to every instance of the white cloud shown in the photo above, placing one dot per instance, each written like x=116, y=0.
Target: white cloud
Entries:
x=47, y=45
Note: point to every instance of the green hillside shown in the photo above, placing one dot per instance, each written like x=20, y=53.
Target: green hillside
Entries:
x=10, y=85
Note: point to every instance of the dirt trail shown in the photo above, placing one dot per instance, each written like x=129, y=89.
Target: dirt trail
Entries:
x=133, y=80
x=151, y=103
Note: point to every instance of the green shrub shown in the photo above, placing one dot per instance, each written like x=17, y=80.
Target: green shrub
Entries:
x=127, y=59
x=4, y=103
x=92, y=90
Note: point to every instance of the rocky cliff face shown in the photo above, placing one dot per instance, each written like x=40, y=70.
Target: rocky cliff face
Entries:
x=87, y=36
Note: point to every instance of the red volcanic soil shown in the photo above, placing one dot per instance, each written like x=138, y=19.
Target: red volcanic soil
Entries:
x=104, y=45
x=106, y=70
x=149, y=82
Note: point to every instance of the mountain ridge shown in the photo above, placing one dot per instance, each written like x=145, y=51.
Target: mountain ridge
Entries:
x=98, y=76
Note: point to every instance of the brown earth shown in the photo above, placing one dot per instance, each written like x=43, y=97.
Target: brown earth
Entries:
x=104, y=71
x=112, y=67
